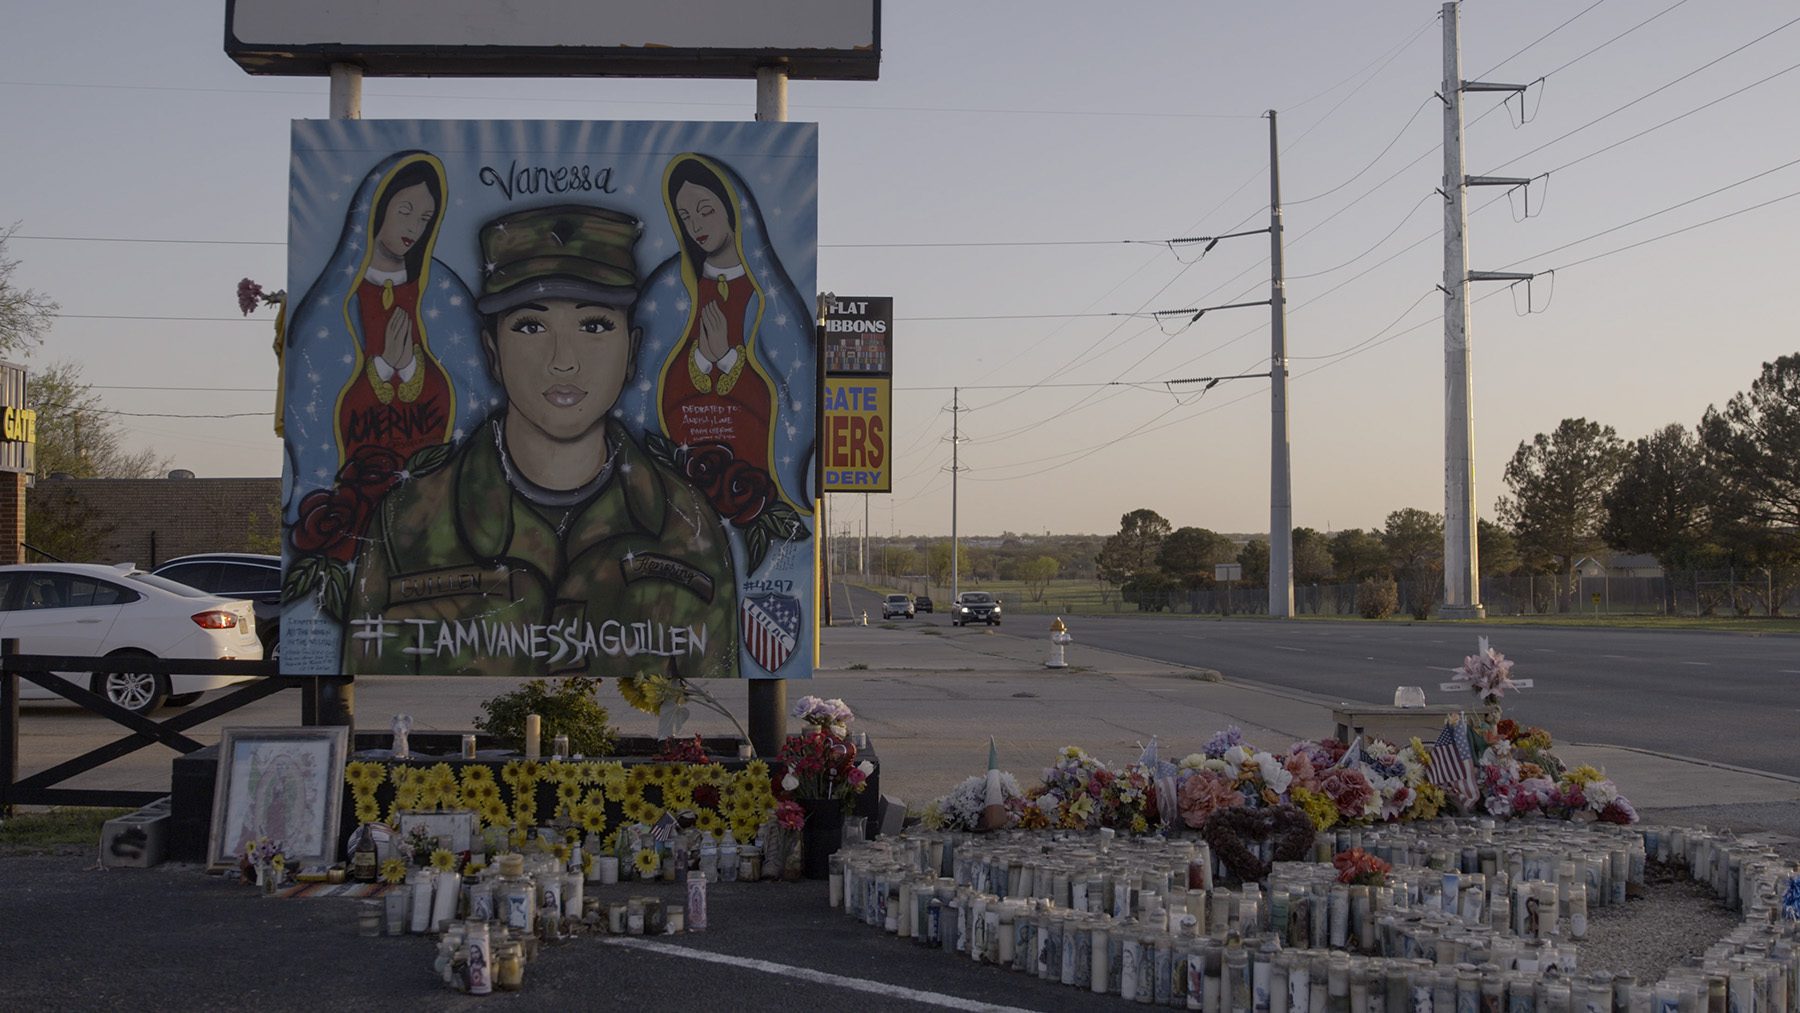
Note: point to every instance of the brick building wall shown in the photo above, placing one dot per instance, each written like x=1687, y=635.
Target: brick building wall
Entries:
x=12, y=517
x=150, y=520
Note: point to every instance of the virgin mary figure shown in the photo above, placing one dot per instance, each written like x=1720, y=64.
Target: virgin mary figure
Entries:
x=367, y=388
x=734, y=345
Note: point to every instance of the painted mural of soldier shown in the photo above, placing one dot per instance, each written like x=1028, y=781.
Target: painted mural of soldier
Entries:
x=548, y=542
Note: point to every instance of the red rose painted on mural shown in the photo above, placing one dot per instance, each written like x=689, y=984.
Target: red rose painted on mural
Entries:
x=744, y=493
x=327, y=523
x=706, y=467
x=370, y=472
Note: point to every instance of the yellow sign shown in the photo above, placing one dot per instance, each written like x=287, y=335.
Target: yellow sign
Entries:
x=859, y=416
x=19, y=424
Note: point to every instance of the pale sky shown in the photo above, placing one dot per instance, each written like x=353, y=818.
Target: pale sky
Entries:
x=1046, y=123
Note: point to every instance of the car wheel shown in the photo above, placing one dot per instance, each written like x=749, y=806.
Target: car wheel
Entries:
x=181, y=699
x=138, y=692
x=993, y=622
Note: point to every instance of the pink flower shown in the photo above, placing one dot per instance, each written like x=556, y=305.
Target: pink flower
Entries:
x=1202, y=793
x=249, y=294
x=1301, y=767
x=1349, y=790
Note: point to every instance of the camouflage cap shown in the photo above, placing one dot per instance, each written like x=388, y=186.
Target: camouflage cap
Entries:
x=568, y=251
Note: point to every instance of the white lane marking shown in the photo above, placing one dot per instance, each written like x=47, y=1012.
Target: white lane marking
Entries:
x=1700, y=664
x=1299, y=650
x=1789, y=671
x=808, y=974
x=1620, y=657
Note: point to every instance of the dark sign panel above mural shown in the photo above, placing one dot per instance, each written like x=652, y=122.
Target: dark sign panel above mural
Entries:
x=551, y=396
x=817, y=39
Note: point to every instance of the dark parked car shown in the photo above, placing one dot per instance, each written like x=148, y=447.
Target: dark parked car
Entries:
x=251, y=576
x=922, y=604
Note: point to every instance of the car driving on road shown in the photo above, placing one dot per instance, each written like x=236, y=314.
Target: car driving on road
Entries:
x=89, y=610
x=922, y=603
x=896, y=606
x=975, y=607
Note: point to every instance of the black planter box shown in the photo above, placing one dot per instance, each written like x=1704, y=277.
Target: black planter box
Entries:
x=195, y=775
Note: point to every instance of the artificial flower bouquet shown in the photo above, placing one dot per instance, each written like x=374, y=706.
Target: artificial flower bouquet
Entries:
x=821, y=762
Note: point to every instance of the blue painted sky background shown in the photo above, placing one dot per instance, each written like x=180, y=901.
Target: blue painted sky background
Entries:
x=1047, y=125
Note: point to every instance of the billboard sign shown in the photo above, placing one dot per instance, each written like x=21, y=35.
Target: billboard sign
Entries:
x=811, y=39
x=857, y=444
x=18, y=423
x=857, y=332
x=550, y=398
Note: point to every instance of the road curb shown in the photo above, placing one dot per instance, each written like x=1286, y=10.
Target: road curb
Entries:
x=1696, y=761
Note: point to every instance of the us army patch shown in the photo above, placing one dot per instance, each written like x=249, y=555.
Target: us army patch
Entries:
x=650, y=566
x=449, y=581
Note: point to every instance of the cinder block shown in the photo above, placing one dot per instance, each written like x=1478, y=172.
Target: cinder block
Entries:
x=137, y=841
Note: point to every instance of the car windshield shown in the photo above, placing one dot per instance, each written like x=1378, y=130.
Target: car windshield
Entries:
x=977, y=598
x=896, y=598
x=164, y=584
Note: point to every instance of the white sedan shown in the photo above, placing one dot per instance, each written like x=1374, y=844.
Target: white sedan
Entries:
x=89, y=610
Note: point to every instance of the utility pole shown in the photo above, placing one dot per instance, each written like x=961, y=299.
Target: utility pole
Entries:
x=1281, y=495
x=333, y=701
x=955, y=473
x=1462, y=565
x=767, y=700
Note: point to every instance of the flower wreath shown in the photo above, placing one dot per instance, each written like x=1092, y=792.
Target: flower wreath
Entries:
x=1230, y=831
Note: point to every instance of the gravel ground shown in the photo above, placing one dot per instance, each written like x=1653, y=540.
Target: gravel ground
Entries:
x=1674, y=920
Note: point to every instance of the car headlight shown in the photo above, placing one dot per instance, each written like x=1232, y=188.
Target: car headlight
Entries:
x=996, y=608
x=965, y=608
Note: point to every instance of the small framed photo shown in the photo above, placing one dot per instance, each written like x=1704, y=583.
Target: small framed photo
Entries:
x=285, y=784
x=454, y=829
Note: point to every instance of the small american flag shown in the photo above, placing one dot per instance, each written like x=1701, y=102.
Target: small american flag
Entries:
x=663, y=830
x=1453, y=762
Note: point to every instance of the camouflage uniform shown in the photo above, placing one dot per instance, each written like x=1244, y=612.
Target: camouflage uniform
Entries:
x=463, y=572
x=472, y=578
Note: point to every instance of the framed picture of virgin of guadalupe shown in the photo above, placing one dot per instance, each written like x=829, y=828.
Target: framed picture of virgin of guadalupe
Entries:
x=550, y=399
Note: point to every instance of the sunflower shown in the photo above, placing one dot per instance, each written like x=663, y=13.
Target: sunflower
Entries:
x=512, y=771
x=644, y=692
x=568, y=793
x=587, y=864
x=561, y=850
x=677, y=797
x=646, y=863
x=474, y=868
x=531, y=771
x=494, y=813
x=707, y=821
x=476, y=773
x=443, y=861
x=745, y=830
x=611, y=777
x=756, y=770
x=638, y=777
x=393, y=871
x=591, y=817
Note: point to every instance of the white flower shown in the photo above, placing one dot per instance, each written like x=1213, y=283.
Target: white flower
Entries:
x=867, y=767
x=1276, y=776
x=1601, y=794
x=1219, y=766
x=790, y=782
x=1235, y=756
x=1193, y=761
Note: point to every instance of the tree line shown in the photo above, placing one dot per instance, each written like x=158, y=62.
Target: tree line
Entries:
x=1722, y=494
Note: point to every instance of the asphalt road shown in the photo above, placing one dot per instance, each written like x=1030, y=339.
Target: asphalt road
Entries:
x=1723, y=697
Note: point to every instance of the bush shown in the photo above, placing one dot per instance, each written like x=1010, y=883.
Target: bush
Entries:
x=568, y=707
x=1377, y=599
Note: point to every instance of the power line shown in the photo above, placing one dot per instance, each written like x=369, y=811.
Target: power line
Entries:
x=1534, y=42
x=1608, y=42
x=152, y=415
x=533, y=99
x=1383, y=154
x=1655, y=91
x=1654, y=214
